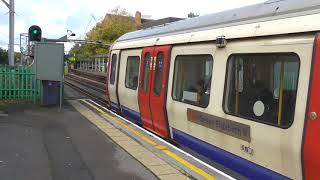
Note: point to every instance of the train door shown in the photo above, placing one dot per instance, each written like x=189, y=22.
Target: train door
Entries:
x=128, y=84
x=144, y=88
x=153, y=89
x=112, y=81
x=311, y=147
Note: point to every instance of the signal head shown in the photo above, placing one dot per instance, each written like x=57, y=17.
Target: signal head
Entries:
x=35, y=33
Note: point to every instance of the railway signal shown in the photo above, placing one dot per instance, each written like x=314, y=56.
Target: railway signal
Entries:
x=35, y=33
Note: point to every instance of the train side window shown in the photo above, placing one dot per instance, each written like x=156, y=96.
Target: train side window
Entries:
x=146, y=72
x=158, y=74
x=132, y=72
x=262, y=87
x=192, y=79
x=113, y=68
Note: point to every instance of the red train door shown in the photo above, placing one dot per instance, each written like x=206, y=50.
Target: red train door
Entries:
x=144, y=88
x=311, y=146
x=152, y=100
x=158, y=93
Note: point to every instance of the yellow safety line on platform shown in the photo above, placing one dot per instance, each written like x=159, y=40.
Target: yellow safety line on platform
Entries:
x=164, y=149
x=122, y=124
x=189, y=165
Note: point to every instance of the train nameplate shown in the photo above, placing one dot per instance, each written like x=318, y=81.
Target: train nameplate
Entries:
x=225, y=126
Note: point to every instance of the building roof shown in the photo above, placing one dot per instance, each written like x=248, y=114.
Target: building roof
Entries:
x=159, y=22
x=267, y=11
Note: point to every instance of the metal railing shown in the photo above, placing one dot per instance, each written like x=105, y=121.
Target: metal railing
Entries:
x=18, y=83
x=97, y=63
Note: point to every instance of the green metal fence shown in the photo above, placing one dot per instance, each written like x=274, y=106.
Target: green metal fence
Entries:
x=18, y=83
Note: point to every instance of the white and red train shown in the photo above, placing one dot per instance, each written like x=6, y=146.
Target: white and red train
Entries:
x=241, y=87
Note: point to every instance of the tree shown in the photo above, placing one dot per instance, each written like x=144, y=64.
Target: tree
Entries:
x=108, y=30
x=3, y=56
x=192, y=15
x=17, y=57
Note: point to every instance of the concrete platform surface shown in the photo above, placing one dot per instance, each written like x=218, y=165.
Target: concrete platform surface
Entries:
x=38, y=143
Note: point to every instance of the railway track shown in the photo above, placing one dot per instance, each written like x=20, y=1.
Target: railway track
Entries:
x=94, y=96
x=99, y=77
x=97, y=86
x=90, y=85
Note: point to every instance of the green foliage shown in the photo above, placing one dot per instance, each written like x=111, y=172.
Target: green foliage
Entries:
x=17, y=57
x=3, y=56
x=72, y=59
x=107, y=31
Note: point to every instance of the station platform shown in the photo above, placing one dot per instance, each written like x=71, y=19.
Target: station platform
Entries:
x=163, y=159
x=40, y=143
x=84, y=141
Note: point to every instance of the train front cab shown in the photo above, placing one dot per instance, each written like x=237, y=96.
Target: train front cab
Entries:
x=244, y=106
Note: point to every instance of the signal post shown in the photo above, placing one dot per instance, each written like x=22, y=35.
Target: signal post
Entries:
x=48, y=58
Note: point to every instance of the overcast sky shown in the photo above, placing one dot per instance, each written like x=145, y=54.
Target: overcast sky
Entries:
x=56, y=16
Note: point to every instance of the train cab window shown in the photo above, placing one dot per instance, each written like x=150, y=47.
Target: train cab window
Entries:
x=113, y=68
x=158, y=74
x=146, y=72
x=132, y=72
x=192, y=79
x=262, y=87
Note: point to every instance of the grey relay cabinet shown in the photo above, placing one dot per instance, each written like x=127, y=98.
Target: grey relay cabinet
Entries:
x=48, y=67
x=49, y=61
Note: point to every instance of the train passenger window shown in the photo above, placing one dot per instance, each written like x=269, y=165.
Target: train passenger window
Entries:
x=113, y=68
x=192, y=79
x=146, y=71
x=132, y=72
x=262, y=87
x=158, y=74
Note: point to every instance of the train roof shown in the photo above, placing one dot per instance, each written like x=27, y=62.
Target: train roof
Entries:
x=284, y=16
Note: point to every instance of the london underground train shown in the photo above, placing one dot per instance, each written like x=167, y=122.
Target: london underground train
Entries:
x=240, y=87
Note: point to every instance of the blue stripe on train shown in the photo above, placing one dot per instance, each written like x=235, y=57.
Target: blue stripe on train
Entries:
x=114, y=107
x=132, y=115
x=231, y=161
